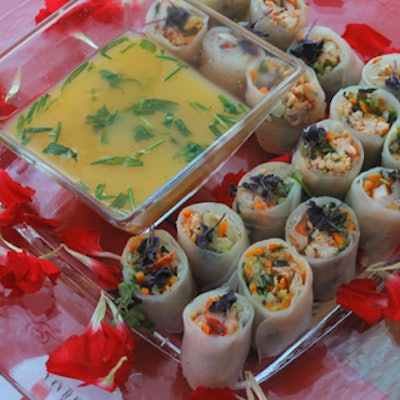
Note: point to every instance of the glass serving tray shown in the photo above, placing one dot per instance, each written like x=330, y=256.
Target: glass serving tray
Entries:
x=120, y=118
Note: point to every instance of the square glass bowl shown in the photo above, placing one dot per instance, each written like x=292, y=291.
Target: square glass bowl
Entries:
x=113, y=101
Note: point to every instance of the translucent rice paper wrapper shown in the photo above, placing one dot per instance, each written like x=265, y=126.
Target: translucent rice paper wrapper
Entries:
x=390, y=152
x=280, y=23
x=236, y=10
x=164, y=310
x=347, y=65
x=212, y=268
x=361, y=127
x=268, y=222
x=337, y=182
x=274, y=331
x=383, y=72
x=156, y=25
x=303, y=105
x=225, y=57
x=214, y=360
x=379, y=225
x=329, y=273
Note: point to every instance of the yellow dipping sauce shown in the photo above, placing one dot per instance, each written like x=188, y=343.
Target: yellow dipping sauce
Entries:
x=125, y=122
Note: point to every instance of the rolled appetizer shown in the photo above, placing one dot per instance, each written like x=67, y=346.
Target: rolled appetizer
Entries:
x=391, y=148
x=178, y=27
x=225, y=57
x=325, y=231
x=280, y=20
x=278, y=282
x=303, y=105
x=216, y=338
x=159, y=271
x=383, y=72
x=265, y=197
x=335, y=63
x=375, y=197
x=213, y=236
x=368, y=113
x=236, y=10
x=327, y=158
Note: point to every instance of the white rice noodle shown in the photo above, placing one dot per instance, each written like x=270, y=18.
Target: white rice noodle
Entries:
x=379, y=69
x=347, y=65
x=280, y=23
x=156, y=29
x=371, y=131
x=269, y=222
x=164, y=310
x=331, y=176
x=274, y=331
x=379, y=225
x=225, y=57
x=212, y=360
x=303, y=105
x=215, y=265
x=329, y=271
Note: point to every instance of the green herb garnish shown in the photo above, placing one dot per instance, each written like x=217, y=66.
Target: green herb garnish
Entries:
x=183, y=129
x=190, y=151
x=115, y=80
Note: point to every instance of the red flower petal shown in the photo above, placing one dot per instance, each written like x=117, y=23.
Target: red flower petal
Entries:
x=392, y=312
x=365, y=40
x=91, y=356
x=362, y=297
x=203, y=393
x=13, y=192
x=26, y=273
x=81, y=239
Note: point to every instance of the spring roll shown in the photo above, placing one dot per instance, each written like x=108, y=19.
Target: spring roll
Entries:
x=391, y=148
x=368, y=112
x=216, y=338
x=178, y=27
x=375, y=197
x=325, y=231
x=327, y=158
x=264, y=199
x=225, y=57
x=278, y=282
x=335, y=63
x=159, y=270
x=213, y=236
x=383, y=72
x=280, y=20
x=303, y=105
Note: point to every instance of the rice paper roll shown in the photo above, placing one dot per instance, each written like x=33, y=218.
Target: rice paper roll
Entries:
x=383, y=72
x=303, y=105
x=236, y=10
x=264, y=199
x=159, y=270
x=278, y=282
x=391, y=148
x=178, y=27
x=335, y=63
x=327, y=158
x=216, y=338
x=225, y=57
x=368, y=113
x=325, y=231
x=375, y=197
x=213, y=236
x=279, y=20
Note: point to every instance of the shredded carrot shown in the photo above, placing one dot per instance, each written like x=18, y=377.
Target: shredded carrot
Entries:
x=145, y=291
x=206, y=329
x=329, y=136
x=368, y=185
x=187, y=213
x=165, y=260
x=253, y=74
x=282, y=284
x=268, y=264
x=301, y=228
x=264, y=90
x=259, y=205
x=223, y=228
x=255, y=251
x=248, y=271
x=273, y=246
x=338, y=237
x=253, y=287
x=133, y=246
x=139, y=276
